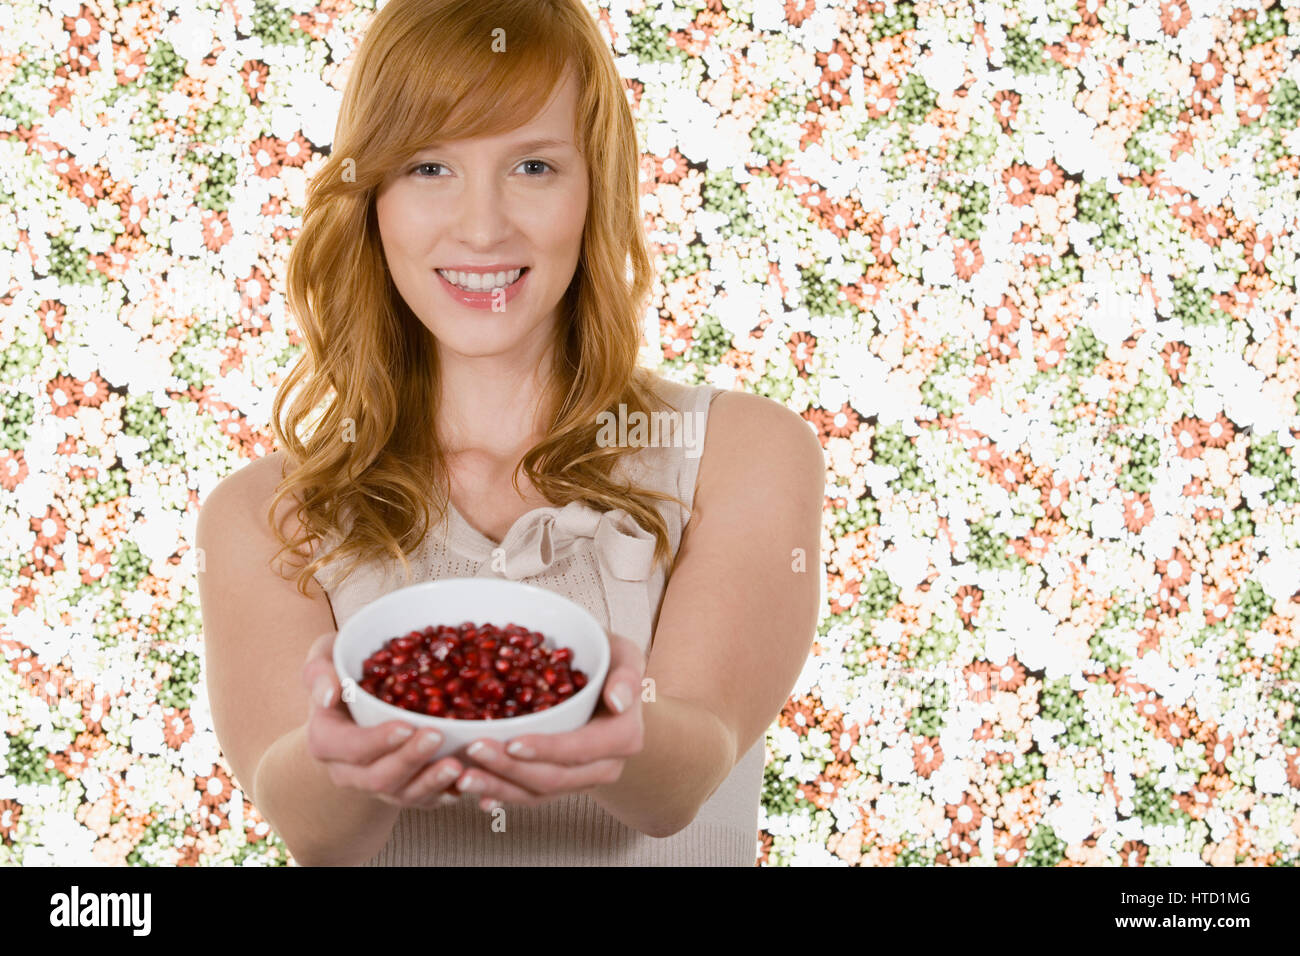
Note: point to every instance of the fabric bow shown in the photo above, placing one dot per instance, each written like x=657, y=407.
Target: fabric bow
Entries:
x=623, y=549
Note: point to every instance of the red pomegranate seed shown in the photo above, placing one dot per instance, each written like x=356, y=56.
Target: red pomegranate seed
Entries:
x=471, y=672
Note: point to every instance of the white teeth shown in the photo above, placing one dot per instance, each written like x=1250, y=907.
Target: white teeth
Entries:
x=481, y=282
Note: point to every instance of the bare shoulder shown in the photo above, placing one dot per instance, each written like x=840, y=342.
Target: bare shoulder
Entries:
x=242, y=498
x=750, y=435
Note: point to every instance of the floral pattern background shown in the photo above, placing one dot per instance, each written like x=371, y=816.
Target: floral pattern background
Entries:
x=1028, y=269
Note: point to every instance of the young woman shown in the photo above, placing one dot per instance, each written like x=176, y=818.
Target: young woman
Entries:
x=470, y=281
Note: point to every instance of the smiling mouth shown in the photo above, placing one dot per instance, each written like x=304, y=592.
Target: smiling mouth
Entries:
x=479, y=282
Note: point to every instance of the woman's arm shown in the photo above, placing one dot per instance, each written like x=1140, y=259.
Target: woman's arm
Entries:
x=739, y=613
x=686, y=755
x=257, y=630
x=322, y=824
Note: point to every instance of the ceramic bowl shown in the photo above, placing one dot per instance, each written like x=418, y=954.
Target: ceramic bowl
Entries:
x=452, y=602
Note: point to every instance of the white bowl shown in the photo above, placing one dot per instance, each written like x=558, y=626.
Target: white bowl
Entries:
x=452, y=602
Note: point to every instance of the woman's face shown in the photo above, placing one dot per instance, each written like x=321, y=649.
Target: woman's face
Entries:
x=490, y=204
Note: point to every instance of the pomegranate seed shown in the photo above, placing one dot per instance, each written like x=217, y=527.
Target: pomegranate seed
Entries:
x=471, y=672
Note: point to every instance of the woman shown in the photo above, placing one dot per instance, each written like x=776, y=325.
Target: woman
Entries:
x=491, y=146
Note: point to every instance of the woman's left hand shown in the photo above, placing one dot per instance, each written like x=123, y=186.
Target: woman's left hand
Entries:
x=576, y=761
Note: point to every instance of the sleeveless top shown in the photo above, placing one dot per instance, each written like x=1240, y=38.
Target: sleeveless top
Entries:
x=602, y=561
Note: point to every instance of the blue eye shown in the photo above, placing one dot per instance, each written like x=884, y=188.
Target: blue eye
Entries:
x=539, y=162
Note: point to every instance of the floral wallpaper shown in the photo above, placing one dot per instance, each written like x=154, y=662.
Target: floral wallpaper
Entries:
x=1028, y=269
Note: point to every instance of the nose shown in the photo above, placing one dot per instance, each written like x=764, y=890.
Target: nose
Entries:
x=481, y=213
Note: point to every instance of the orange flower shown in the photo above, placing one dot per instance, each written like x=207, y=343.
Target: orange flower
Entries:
x=1006, y=104
x=1217, y=749
x=978, y=680
x=1188, y=438
x=1008, y=677
x=1219, y=432
x=927, y=755
x=13, y=469
x=1175, y=570
x=10, y=813
x=1133, y=853
x=177, y=727
x=1138, y=512
x=1019, y=180
x=802, y=346
x=215, y=790
x=968, y=259
x=840, y=424
x=1175, y=355
x=968, y=602
x=965, y=816
x=1293, y=767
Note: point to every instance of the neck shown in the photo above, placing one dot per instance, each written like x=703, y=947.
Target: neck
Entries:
x=492, y=405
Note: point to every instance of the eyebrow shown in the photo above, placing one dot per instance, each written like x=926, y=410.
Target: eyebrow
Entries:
x=530, y=145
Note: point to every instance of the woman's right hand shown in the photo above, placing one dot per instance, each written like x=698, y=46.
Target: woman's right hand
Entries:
x=371, y=759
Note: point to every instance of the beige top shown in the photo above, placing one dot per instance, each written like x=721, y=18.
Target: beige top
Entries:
x=603, y=561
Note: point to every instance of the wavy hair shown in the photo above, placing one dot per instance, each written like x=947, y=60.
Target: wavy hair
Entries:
x=370, y=366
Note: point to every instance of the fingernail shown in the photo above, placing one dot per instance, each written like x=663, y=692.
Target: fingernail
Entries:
x=517, y=749
x=447, y=799
x=323, y=691
x=476, y=749
x=398, y=735
x=471, y=785
x=619, y=699
x=430, y=743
